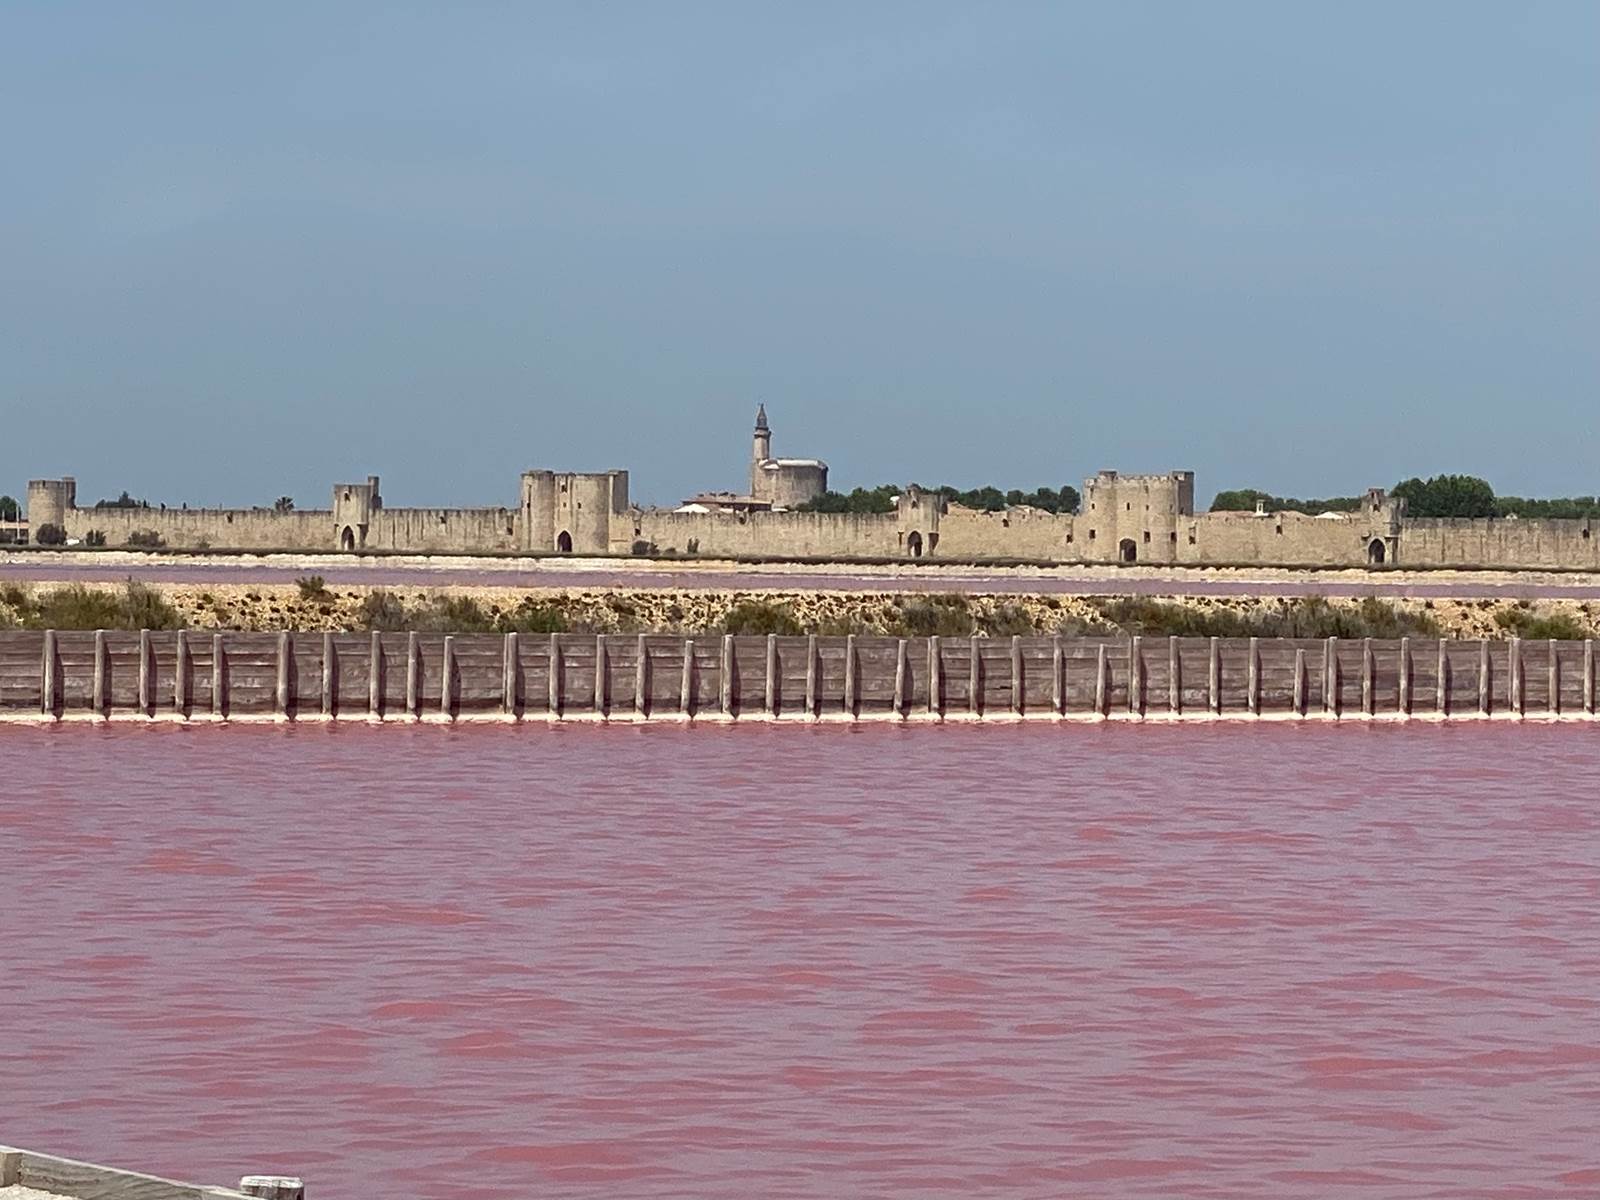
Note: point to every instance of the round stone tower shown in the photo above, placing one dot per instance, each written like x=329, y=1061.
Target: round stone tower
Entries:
x=49, y=502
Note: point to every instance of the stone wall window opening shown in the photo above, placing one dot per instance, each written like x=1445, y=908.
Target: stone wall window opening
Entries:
x=1091, y=535
x=564, y=542
x=1146, y=537
x=914, y=544
x=1280, y=528
x=1069, y=537
x=1376, y=552
x=1128, y=550
x=933, y=542
x=1173, y=537
x=1192, y=537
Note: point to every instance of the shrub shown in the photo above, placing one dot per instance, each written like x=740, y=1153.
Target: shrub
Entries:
x=76, y=607
x=49, y=534
x=1524, y=624
x=935, y=616
x=383, y=611
x=144, y=608
x=450, y=614
x=640, y=546
x=95, y=537
x=760, y=617
x=533, y=616
x=312, y=587
x=1312, y=617
x=1008, y=620
x=146, y=539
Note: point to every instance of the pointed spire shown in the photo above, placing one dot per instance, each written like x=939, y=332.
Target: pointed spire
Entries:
x=761, y=416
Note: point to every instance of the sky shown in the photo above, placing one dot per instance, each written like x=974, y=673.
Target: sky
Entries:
x=250, y=250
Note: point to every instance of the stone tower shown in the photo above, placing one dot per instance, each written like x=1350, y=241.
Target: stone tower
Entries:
x=760, y=449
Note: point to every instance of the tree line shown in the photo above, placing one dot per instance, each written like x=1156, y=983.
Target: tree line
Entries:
x=1436, y=496
x=881, y=499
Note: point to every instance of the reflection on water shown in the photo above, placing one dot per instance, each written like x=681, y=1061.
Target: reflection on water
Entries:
x=1024, y=961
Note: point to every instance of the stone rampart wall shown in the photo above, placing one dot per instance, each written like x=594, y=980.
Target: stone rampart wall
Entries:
x=1500, y=542
x=218, y=528
x=789, y=534
x=443, y=530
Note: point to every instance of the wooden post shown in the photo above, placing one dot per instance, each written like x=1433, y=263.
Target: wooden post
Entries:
x=727, y=675
x=900, y=679
x=1174, y=677
x=1330, y=677
x=1252, y=679
x=1405, y=677
x=850, y=675
x=180, y=676
x=1518, y=701
x=1484, y=685
x=553, y=677
x=47, y=675
x=602, y=674
x=686, y=686
x=641, y=677
x=446, y=679
x=375, y=677
x=1016, y=675
x=1588, y=676
x=510, y=674
x=1441, y=677
x=413, y=676
x=1214, y=677
x=1366, y=677
x=285, y=665
x=811, y=676
x=1058, y=676
x=1553, y=703
x=146, y=692
x=273, y=1187
x=974, y=677
x=770, y=675
x=219, y=678
x=330, y=676
x=935, y=679
x=1136, y=697
x=1100, y=689
x=1300, y=681
x=98, y=696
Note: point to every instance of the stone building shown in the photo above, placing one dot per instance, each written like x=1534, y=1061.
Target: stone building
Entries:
x=1123, y=519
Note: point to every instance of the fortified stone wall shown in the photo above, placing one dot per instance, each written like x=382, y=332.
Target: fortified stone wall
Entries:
x=198, y=528
x=1499, y=542
x=789, y=534
x=443, y=530
x=1285, y=538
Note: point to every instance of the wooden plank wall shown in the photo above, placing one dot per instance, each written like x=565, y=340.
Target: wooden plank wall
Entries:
x=201, y=674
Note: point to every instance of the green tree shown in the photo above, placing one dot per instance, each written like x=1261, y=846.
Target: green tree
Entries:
x=122, y=501
x=283, y=504
x=1244, y=500
x=1446, y=496
x=10, y=510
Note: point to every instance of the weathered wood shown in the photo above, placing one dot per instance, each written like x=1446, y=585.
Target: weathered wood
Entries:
x=413, y=675
x=769, y=677
x=1484, y=678
x=811, y=675
x=1330, y=677
x=510, y=673
x=375, y=677
x=935, y=679
x=47, y=674
x=1101, y=690
x=1214, y=677
x=1252, y=685
x=330, y=676
x=1405, y=677
x=1174, y=677
x=1299, y=681
x=1058, y=676
x=285, y=666
x=641, y=677
x=1136, y=681
x=180, y=675
x=1441, y=700
x=1017, y=698
x=1588, y=676
x=686, y=684
x=1366, y=677
x=1514, y=667
x=975, y=678
x=219, y=678
x=850, y=667
x=98, y=692
x=726, y=681
x=553, y=675
x=147, y=701
x=447, y=677
x=900, y=672
x=602, y=695
x=1553, y=704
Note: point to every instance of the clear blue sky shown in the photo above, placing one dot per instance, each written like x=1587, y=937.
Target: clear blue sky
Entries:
x=251, y=249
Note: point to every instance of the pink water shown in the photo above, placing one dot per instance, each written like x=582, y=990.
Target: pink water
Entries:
x=485, y=962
